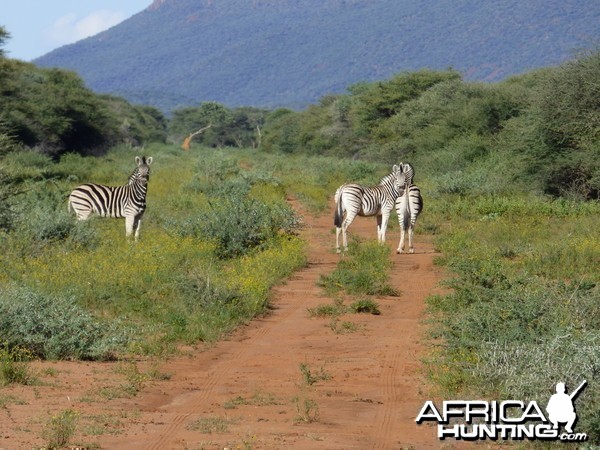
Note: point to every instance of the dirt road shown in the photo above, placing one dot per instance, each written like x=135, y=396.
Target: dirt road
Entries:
x=249, y=391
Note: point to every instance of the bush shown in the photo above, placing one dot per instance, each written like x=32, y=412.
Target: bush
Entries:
x=238, y=224
x=43, y=219
x=365, y=306
x=55, y=327
x=364, y=271
x=14, y=365
x=567, y=117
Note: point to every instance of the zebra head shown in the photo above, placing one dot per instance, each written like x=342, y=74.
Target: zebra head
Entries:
x=399, y=177
x=409, y=172
x=142, y=171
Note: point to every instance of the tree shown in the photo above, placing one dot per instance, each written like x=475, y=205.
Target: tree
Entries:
x=383, y=99
x=567, y=111
x=4, y=36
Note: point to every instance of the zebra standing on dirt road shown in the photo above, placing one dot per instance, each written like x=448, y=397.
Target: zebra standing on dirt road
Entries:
x=408, y=207
x=354, y=199
x=128, y=201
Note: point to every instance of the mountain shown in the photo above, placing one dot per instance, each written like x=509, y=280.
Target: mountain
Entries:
x=272, y=53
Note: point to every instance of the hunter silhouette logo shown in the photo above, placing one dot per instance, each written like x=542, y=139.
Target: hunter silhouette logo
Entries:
x=560, y=407
x=472, y=420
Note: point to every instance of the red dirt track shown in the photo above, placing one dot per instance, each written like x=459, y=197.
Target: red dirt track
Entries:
x=375, y=388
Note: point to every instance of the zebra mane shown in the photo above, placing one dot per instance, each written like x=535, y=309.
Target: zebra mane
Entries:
x=388, y=177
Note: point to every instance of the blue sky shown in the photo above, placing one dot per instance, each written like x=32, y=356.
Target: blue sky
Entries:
x=39, y=26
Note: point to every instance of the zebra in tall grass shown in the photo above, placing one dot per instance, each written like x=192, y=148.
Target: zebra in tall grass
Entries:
x=128, y=201
x=354, y=199
x=408, y=207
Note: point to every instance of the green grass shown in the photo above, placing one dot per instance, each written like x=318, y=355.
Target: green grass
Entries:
x=60, y=428
x=365, y=306
x=364, y=272
x=524, y=307
x=209, y=425
x=216, y=236
x=14, y=366
x=174, y=286
x=310, y=377
x=259, y=398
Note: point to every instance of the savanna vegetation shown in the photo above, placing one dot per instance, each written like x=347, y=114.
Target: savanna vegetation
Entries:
x=509, y=172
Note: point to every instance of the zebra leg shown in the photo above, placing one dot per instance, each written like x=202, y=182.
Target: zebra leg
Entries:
x=411, y=232
x=383, y=227
x=402, y=224
x=137, y=223
x=338, y=230
x=129, y=222
x=379, y=227
x=345, y=224
x=401, y=244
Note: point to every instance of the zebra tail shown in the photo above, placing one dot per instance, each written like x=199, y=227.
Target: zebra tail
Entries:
x=337, y=218
x=406, y=206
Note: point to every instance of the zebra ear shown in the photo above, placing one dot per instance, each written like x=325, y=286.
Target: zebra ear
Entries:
x=138, y=160
x=397, y=169
x=149, y=160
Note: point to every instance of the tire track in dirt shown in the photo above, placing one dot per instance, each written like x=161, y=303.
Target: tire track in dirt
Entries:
x=256, y=334
x=413, y=275
x=376, y=386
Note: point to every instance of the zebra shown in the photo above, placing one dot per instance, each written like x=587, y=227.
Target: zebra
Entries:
x=408, y=207
x=409, y=173
x=354, y=199
x=128, y=201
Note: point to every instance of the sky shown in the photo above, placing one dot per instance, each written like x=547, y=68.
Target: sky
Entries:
x=39, y=26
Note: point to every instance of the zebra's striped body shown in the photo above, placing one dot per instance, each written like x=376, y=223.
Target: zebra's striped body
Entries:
x=128, y=201
x=408, y=207
x=354, y=199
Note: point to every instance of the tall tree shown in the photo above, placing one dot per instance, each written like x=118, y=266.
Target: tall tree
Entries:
x=4, y=36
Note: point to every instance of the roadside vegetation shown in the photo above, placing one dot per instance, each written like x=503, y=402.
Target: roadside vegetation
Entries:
x=509, y=172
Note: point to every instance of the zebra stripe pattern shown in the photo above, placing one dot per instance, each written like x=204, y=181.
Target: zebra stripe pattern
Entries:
x=128, y=201
x=408, y=207
x=409, y=173
x=353, y=199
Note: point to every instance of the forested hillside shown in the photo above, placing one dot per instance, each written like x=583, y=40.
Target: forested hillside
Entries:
x=266, y=53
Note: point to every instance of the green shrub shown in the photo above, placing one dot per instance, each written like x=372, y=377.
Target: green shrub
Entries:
x=239, y=224
x=14, y=365
x=328, y=310
x=55, y=327
x=60, y=428
x=365, y=305
x=364, y=271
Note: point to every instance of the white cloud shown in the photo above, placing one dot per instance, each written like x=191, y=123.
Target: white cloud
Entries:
x=70, y=28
